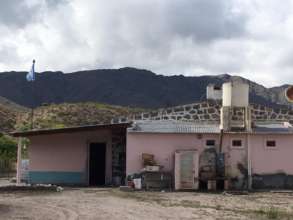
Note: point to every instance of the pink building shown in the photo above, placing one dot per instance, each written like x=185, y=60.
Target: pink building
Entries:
x=266, y=151
x=88, y=155
x=239, y=148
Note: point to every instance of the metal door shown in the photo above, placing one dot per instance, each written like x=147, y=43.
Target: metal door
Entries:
x=186, y=169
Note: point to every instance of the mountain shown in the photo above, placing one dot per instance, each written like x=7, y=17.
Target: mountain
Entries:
x=5, y=103
x=125, y=87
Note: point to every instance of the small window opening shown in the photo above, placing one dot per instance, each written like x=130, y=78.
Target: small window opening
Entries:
x=210, y=143
x=271, y=143
x=237, y=143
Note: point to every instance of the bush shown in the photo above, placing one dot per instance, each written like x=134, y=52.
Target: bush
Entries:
x=8, y=148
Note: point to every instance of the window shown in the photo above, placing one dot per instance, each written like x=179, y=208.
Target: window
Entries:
x=237, y=143
x=217, y=88
x=270, y=143
x=210, y=143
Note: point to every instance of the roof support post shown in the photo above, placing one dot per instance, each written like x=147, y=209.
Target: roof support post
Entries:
x=18, y=171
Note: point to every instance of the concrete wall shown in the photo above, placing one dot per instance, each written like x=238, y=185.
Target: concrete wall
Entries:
x=272, y=160
x=163, y=146
x=235, y=160
x=272, y=167
x=63, y=158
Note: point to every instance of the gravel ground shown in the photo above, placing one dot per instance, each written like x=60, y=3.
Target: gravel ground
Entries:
x=110, y=203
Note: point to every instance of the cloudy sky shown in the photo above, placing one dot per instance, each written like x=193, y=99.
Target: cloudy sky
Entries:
x=251, y=38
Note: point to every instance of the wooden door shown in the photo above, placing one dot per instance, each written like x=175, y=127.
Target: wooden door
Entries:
x=186, y=169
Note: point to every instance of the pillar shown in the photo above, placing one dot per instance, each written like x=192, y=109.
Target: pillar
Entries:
x=18, y=171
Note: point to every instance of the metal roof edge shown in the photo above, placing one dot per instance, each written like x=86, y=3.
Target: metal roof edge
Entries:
x=225, y=132
x=68, y=129
x=161, y=132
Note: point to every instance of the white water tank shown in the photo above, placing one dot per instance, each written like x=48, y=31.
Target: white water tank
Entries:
x=235, y=94
x=214, y=92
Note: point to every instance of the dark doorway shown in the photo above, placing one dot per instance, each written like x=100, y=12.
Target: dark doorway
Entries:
x=97, y=164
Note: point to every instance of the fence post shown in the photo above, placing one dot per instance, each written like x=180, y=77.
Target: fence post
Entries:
x=18, y=174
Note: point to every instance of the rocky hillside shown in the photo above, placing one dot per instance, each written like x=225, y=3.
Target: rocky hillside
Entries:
x=125, y=87
x=10, y=113
x=8, y=118
x=68, y=115
x=15, y=117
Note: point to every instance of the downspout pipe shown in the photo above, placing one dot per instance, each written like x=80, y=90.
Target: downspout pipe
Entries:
x=221, y=140
x=220, y=163
x=249, y=165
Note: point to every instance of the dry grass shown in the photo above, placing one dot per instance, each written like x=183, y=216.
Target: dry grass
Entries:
x=271, y=212
x=109, y=203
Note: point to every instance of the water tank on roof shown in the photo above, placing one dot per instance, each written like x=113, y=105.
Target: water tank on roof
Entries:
x=235, y=94
x=214, y=92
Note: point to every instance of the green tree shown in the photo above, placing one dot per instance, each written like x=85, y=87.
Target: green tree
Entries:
x=8, y=148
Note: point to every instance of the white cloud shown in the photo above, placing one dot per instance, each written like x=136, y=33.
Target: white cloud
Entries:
x=251, y=38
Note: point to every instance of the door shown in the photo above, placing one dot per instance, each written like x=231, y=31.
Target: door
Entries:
x=97, y=164
x=186, y=169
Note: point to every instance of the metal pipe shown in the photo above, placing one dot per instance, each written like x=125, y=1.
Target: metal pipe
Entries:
x=249, y=165
x=220, y=160
x=221, y=140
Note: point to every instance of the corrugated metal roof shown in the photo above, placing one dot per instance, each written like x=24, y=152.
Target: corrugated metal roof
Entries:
x=173, y=127
x=69, y=129
x=276, y=127
x=198, y=127
x=166, y=126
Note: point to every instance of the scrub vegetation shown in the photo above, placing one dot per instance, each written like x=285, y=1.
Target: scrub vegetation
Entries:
x=8, y=152
x=8, y=148
x=72, y=114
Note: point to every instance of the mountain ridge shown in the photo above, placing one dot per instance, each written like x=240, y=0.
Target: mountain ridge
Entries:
x=126, y=86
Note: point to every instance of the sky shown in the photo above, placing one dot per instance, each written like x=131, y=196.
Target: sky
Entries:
x=250, y=38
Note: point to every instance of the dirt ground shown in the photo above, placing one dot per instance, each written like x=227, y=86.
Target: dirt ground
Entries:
x=110, y=203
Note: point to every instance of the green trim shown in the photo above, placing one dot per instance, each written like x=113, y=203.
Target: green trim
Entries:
x=56, y=177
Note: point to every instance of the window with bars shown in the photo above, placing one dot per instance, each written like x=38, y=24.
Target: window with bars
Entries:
x=237, y=143
x=271, y=144
x=210, y=143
